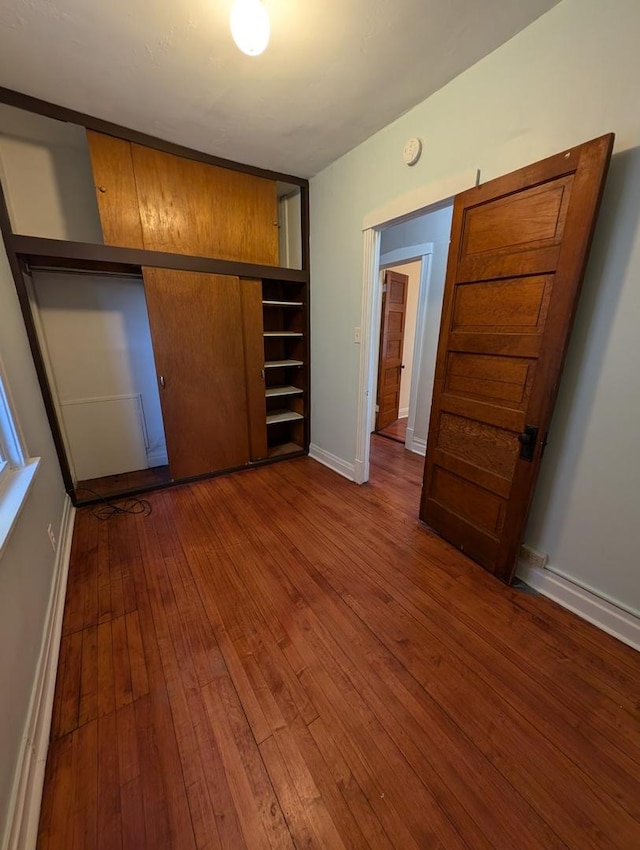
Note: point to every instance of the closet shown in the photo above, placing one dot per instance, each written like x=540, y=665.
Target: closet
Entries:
x=229, y=323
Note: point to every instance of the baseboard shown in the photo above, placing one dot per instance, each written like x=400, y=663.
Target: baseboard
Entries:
x=419, y=446
x=585, y=604
x=403, y=413
x=157, y=458
x=24, y=808
x=335, y=463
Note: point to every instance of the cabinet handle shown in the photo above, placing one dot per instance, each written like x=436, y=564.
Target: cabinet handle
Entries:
x=262, y=374
x=102, y=189
x=161, y=379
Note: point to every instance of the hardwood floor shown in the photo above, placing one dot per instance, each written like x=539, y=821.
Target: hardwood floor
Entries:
x=396, y=431
x=112, y=485
x=282, y=659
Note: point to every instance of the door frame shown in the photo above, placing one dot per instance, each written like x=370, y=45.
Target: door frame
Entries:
x=414, y=253
x=402, y=208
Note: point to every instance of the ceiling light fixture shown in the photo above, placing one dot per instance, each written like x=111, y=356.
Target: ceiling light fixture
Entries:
x=250, y=26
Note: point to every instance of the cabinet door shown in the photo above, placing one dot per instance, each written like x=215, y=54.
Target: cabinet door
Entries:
x=196, y=328
x=189, y=207
x=115, y=190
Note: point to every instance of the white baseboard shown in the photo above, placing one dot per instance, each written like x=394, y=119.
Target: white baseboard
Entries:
x=157, y=458
x=585, y=604
x=347, y=470
x=24, y=808
x=418, y=446
x=403, y=413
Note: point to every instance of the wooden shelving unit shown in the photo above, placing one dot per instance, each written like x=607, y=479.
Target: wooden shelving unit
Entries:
x=285, y=321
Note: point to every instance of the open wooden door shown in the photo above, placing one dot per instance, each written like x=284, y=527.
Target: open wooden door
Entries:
x=394, y=304
x=196, y=328
x=519, y=246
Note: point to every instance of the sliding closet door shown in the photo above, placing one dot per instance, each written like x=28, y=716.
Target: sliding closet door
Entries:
x=196, y=327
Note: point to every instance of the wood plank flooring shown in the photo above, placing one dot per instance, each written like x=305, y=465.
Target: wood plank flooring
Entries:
x=113, y=485
x=282, y=659
x=396, y=431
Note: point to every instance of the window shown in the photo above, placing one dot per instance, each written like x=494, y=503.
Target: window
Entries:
x=16, y=470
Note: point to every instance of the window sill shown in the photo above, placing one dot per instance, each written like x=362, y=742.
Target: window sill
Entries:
x=14, y=489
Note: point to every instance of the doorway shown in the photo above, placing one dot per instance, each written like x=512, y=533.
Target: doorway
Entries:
x=398, y=320
x=415, y=250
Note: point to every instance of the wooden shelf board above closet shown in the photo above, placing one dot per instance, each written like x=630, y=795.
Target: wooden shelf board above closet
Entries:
x=38, y=251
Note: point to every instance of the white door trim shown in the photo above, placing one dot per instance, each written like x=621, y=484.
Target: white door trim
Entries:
x=424, y=254
x=432, y=196
x=407, y=205
x=370, y=318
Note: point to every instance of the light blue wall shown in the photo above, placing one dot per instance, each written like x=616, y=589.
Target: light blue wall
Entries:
x=26, y=565
x=570, y=76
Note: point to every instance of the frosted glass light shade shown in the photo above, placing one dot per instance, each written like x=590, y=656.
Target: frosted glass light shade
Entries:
x=250, y=26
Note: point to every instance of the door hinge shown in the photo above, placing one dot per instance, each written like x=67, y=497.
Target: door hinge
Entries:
x=543, y=445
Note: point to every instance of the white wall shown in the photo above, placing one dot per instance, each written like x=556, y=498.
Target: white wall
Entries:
x=26, y=565
x=46, y=175
x=98, y=340
x=570, y=76
x=290, y=233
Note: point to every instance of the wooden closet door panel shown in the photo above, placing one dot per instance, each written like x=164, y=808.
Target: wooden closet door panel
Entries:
x=115, y=190
x=196, y=328
x=253, y=335
x=189, y=207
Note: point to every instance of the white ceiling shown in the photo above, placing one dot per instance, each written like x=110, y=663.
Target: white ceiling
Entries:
x=334, y=73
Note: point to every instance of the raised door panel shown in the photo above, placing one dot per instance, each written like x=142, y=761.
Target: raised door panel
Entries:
x=115, y=190
x=189, y=207
x=196, y=327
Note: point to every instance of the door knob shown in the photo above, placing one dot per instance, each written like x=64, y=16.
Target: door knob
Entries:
x=527, y=441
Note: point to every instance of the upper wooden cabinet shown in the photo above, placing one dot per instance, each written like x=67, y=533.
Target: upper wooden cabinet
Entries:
x=162, y=202
x=115, y=190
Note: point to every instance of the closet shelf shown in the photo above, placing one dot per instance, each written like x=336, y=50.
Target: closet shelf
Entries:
x=278, y=364
x=283, y=416
x=273, y=392
x=282, y=303
x=283, y=333
x=283, y=449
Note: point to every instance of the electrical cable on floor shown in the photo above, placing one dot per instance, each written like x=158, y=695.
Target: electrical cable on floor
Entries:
x=107, y=509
